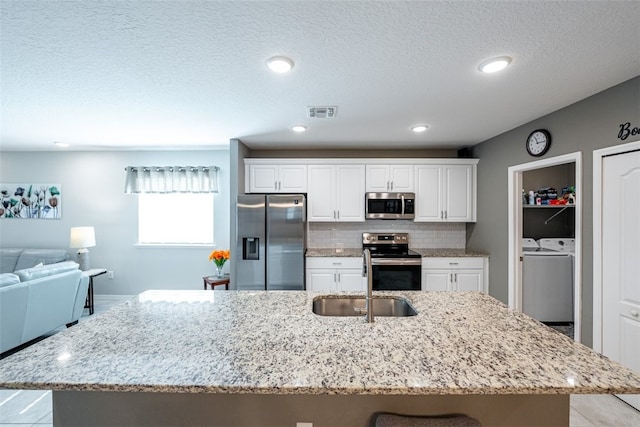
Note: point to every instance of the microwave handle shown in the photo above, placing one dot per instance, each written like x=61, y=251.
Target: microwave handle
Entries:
x=403, y=208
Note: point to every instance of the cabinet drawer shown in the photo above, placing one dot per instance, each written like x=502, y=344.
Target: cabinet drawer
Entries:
x=334, y=262
x=452, y=263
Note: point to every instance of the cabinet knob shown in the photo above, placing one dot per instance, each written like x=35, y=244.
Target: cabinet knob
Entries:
x=634, y=313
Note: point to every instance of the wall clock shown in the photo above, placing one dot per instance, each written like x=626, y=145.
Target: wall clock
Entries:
x=538, y=142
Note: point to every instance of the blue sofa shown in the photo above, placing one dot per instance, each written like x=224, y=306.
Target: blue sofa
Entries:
x=40, y=290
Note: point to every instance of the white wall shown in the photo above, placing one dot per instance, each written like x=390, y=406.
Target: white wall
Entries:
x=92, y=187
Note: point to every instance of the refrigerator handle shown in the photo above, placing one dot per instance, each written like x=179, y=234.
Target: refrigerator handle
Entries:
x=251, y=248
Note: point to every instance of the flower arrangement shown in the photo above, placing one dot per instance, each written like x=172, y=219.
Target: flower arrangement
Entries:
x=219, y=257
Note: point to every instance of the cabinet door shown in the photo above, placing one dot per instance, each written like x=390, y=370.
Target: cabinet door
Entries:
x=321, y=194
x=428, y=193
x=320, y=279
x=263, y=178
x=377, y=180
x=468, y=280
x=292, y=179
x=350, y=193
x=458, y=193
x=401, y=177
x=351, y=280
x=436, y=280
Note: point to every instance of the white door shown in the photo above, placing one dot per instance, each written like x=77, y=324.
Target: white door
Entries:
x=428, y=192
x=458, y=193
x=378, y=178
x=401, y=177
x=436, y=280
x=620, y=267
x=263, y=178
x=321, y=280
x=351, y=280
x=293, y=179
x=468, y=280
x=321, y=205
x=350, y=192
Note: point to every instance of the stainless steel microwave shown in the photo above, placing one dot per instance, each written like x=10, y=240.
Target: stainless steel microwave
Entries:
x=390, y=205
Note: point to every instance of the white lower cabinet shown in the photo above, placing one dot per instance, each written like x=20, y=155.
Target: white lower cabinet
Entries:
x=331, y=274
x=454, y=274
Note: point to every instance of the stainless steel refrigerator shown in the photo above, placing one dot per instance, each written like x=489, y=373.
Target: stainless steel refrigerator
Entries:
x=270, y=242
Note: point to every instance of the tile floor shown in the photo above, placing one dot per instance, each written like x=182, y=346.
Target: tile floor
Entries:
x=33, y=407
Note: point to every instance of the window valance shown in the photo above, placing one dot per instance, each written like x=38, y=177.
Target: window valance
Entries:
x=171, y=179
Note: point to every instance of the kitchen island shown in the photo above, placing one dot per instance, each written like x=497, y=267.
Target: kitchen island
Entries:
x=263, y=358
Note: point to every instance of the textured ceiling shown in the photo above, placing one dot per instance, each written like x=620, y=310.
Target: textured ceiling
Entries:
x=188, y=74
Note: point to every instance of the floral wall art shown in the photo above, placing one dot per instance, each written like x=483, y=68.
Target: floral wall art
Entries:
x=25, y=201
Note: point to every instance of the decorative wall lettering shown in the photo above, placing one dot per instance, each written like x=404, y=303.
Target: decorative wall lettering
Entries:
x=626, y=129
x=30, y=201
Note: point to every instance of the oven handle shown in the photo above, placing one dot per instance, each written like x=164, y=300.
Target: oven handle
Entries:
x=396, y=261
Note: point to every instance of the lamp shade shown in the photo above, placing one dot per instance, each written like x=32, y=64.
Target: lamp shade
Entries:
x=82, y=237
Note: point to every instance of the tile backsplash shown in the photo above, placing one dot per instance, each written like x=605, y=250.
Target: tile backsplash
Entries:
x=427, y=235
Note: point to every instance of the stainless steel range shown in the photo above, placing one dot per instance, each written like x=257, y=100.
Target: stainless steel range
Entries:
x=395, y=267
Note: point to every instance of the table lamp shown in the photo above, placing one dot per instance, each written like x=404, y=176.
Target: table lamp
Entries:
x=83, y=238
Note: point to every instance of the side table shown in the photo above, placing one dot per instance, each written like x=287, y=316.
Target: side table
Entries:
x=214, y=281
x=94, y=272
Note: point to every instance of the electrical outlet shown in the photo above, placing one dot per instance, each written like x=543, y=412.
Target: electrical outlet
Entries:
x=110, y=274
x=303, y=424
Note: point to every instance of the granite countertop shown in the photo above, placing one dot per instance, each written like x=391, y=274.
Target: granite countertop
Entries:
x=270, y=342
x=357, y=252
x=346, y=252
x=450, y=253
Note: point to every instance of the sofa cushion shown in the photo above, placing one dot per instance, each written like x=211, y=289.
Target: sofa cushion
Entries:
x=7, y=279
x=31, y=257
x=9, y=259
x=46, y=270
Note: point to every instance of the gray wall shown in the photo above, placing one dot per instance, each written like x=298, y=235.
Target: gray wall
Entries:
x=584, y=126
x=238, y=151
x=92, y=187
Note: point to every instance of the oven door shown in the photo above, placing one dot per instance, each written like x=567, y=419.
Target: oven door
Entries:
x=397, y=274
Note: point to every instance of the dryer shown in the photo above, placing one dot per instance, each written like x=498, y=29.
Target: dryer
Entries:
x=547, y=282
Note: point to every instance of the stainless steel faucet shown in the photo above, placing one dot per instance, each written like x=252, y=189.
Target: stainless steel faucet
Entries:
x=368, y=274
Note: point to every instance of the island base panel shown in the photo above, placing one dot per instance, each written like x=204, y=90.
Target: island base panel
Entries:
x=75, y=408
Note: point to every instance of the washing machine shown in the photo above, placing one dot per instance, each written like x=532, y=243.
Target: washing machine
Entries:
x=547, y=279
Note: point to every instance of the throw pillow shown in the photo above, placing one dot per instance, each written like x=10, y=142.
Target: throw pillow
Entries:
x=7, y=279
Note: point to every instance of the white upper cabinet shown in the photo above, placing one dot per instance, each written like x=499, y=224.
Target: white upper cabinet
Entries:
x=445, y=188
x=387, y=178
x=270, y=178
x=336, y=193
x=445, y=193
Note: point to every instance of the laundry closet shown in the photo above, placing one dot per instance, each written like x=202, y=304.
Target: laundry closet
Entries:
x=548, y=241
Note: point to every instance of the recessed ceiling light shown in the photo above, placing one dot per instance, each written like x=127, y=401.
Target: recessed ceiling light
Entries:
x=280, y=64
x=60, y=144
x=494, y=64
x=419, y=128
x=298, y=128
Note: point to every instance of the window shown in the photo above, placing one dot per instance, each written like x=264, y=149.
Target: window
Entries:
x=175, y=218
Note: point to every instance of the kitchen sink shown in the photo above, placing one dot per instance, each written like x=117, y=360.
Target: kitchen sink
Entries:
x=355, y=306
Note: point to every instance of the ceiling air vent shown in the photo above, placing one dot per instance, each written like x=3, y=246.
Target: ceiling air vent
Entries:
x=322, y=112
